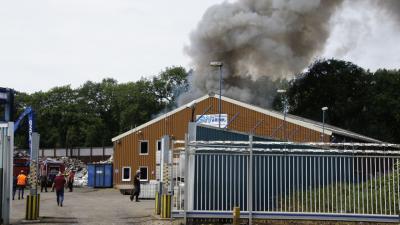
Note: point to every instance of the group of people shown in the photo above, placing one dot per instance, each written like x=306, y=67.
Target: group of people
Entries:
x=58, y=184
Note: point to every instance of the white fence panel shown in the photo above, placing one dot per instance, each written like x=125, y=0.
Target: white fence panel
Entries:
x=61, y=152
x=85, y=152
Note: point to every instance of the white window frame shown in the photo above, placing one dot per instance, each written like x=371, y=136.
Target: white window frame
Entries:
x=158, y=141
x=130, y=173
x=147, y=173
x=140, y=147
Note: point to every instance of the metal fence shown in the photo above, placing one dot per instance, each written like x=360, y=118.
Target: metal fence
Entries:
x=148, y=190
x=274, y=180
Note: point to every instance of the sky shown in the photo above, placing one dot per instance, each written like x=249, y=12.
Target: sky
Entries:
x=45, y=43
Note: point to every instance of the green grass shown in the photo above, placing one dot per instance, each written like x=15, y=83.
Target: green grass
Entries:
x=365, y=198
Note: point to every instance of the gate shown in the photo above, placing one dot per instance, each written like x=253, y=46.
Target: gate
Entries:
x=280, y=180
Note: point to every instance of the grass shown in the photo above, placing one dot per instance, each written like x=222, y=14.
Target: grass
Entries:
x=374, y=196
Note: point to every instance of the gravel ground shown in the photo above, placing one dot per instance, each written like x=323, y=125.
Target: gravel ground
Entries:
x=90, y=206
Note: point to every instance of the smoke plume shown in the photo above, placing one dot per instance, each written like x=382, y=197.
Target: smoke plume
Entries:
x=261, y=42
x=258, y=42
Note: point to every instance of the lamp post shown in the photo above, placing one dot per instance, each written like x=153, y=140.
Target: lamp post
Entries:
x=165, y=107
x=219, y=64
x=323, y=122
x=284, y=101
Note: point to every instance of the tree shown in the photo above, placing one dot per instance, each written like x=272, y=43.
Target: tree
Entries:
x=169, y=84
x=384, y=119
x=96, y=112
x=358, y=100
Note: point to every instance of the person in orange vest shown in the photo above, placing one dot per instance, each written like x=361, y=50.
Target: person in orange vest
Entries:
x=21, y=184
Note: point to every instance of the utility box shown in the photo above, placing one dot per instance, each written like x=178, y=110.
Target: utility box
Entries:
x=100, y=175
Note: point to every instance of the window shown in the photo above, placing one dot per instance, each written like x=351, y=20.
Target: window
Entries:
x=126, y=174
x=143, y=173
x=158, y=146
x=144, y=148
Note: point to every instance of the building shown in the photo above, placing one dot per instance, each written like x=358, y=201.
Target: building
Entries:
x=137, y=148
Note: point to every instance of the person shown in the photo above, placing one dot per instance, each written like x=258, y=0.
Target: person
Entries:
x=14, y=189
x=136, y=187
x=43, y=183
x=71, y=176
x=58, y=184
x=21, y=183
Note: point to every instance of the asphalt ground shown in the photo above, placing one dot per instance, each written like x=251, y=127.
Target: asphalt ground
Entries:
x=89, y=206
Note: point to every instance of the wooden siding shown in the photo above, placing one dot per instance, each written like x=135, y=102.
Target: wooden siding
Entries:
x=126, y=149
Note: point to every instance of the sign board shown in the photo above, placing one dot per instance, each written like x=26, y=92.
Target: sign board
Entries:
x=212, y=120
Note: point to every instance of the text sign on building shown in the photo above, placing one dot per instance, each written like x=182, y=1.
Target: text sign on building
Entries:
x=212, y=120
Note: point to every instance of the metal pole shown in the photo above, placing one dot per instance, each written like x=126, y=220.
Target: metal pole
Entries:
x=250, y=184
x=6, y=171
x=186, y=188
x=219, y=103
x=323, y=125
x=284, y=120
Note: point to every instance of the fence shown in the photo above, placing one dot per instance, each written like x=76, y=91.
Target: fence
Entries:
x=274, y=180
x=148, y=190
x=86, y=154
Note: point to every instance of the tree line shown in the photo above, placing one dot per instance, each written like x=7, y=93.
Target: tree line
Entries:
x=358, y=100
x=93, y=113
x=90, y=115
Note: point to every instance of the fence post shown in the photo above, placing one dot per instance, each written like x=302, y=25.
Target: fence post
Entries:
x=236, y=216
x=185, y=203
x=103, y=153
x=250, y=181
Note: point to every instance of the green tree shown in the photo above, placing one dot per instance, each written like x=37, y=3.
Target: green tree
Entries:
x=384, y=119
x=358, y=100
x=169, y=84
x=93, y=113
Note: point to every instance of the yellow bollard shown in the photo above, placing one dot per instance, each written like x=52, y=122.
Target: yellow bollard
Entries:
x=157, y=201
x=32, y=207
x=166, y=206
x=236, y=216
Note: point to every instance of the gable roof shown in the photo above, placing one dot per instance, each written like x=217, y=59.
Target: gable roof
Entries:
x=310, y=124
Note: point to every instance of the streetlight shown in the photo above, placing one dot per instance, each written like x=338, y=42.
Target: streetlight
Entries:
x=284, y=101
x=323, y=121
x=219, y=64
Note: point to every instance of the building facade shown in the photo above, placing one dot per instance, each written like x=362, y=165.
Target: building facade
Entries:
x=137, y=149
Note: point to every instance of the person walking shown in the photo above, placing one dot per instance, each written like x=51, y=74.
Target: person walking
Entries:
x=136, y=187
x=43, y=183
x=58, y=184
x=14, y=189
x=21, y=184
x=71, y=176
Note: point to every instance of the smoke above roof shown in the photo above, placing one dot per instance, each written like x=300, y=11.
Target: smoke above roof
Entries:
x=259, y=43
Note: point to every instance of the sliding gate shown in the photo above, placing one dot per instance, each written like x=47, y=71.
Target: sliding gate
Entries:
x=277, y=180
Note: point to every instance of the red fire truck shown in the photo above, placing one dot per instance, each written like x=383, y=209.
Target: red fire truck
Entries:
x=50, y=168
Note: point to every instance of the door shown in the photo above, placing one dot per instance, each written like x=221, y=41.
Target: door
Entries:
x=99, y=176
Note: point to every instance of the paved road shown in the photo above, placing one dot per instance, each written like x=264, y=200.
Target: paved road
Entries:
x=89, y=206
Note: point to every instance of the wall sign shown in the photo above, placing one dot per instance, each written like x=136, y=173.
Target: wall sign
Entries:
x=212, y=120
